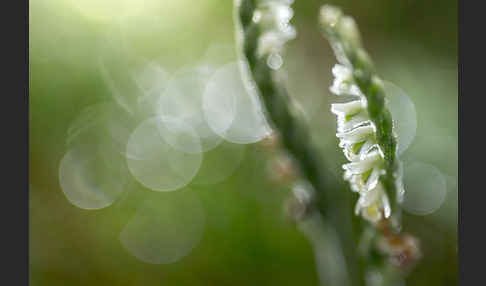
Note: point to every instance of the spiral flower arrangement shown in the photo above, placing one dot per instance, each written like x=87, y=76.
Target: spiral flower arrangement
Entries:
x=366, y=133
x=364, y=125
x=357, y=135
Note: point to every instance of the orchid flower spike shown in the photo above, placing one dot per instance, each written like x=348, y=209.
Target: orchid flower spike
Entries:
x=364, y=125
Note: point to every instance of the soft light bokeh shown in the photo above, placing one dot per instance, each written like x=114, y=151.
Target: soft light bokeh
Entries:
x=101, y=70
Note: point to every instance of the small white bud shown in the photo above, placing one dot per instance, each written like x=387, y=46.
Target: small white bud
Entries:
x=349, y=31
x=343, y=83
x=329, y=15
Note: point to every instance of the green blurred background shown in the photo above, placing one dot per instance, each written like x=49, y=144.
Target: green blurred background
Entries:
x=246, y=239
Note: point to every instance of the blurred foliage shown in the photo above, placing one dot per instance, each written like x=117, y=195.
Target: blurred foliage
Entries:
x=246, y=240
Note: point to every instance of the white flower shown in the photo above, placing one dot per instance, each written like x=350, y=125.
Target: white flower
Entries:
x=357, y=134
x=329, y=15
x=343, y=83
x=355, y=152
x=272, y=42
x=374, y=204
x=361, y=183
x=274, y=17
x=342, y=72
x=359, y=167
x=347, y=123
x=351, y=114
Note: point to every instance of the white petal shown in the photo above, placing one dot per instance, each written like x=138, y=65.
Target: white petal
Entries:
x=347, y=175
x=362, y=166
x=344, y=125
x=341, y=72
x=349, y=153
x=345, y=87
x=356, y=183
x=359, y=167
x=356, y=135
x=348, y=108
x=340, y=87
x=366, y=148
x=372, y=180
x=343, y=83
x=370, y=204
x=369, y=197
x=355, y=155
x=354, y=90
x=374, y=154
